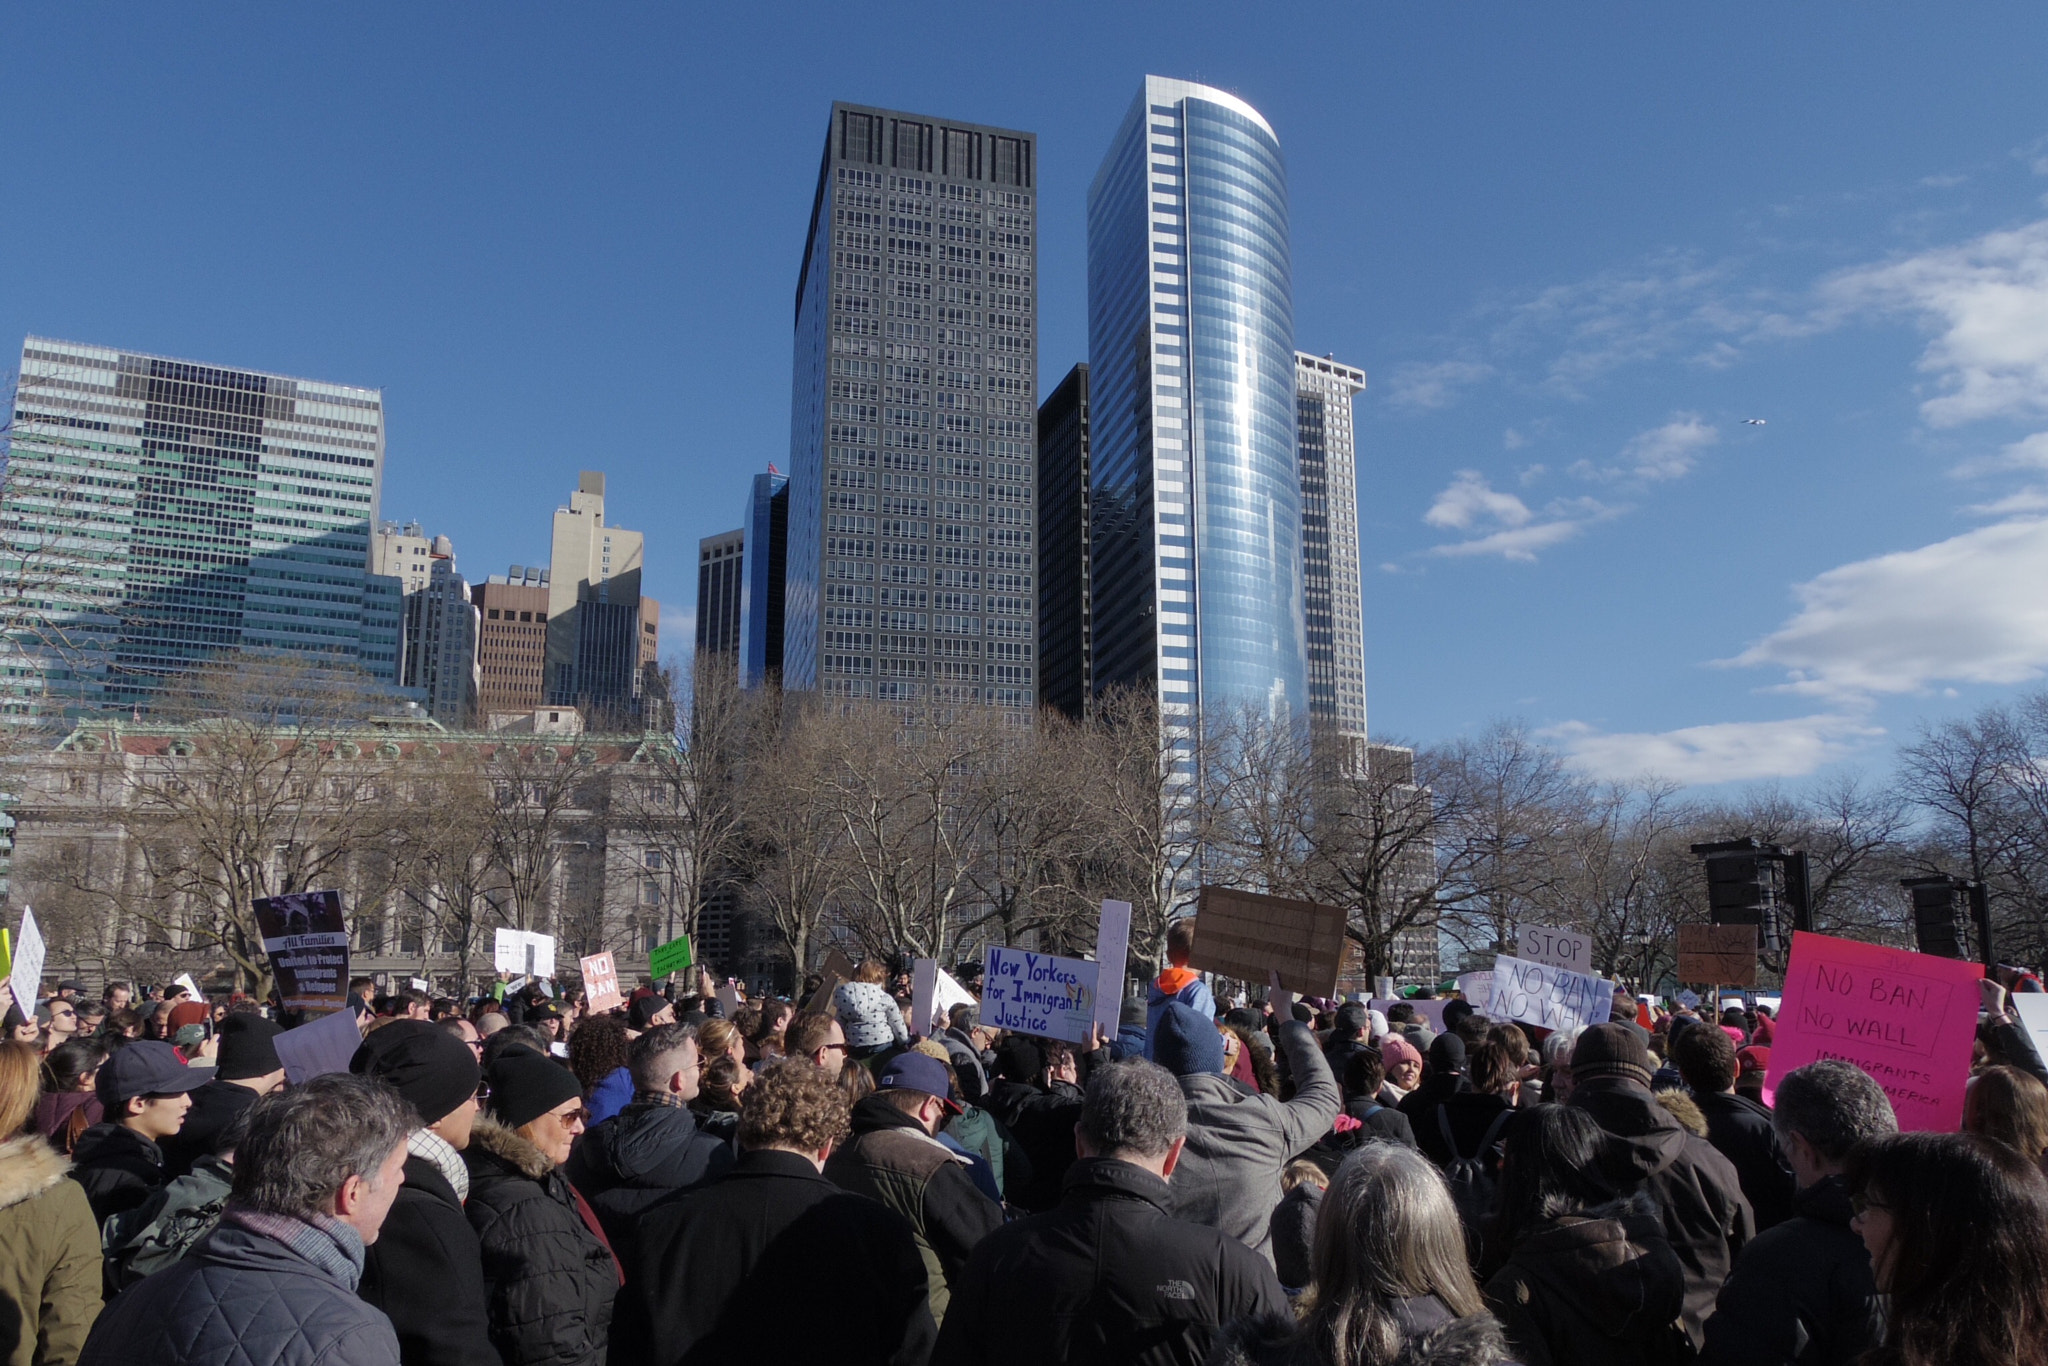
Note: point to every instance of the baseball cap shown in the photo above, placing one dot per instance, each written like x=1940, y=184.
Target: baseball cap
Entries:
x=917, y=1072
x=145, y=1068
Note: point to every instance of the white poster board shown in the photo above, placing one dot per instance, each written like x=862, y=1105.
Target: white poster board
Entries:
x=1477, y=987
x=601, y=983
x=1038, y=993
x=1551, y=997
x=1556, y=948
x=523, y=951
x=1430, y=1012
x=27, y=975
x=1112, y=947
x=2032, y=1008
x=924, y=996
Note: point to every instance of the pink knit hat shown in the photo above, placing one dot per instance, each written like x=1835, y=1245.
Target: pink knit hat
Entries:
x=1395, y=1050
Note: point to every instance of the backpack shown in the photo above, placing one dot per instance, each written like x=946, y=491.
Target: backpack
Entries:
x=1473, y=1184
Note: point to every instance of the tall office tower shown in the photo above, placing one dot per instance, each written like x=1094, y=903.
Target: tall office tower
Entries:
x=719, y=562
x=156, y=512
x=512, y=641
x=1195, y=502
x=1331, y=595
x=764, y=584
x=910, y=502
x=602, y=633
x=1063, y=644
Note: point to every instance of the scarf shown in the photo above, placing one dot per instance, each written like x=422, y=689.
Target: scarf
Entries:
x=669, y=1098
x=326, y=1242
x=439, y=1151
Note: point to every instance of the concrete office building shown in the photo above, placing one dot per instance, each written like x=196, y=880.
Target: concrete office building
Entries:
x=1331, y=593
x=1064, y=646
x=1195, y=499
x=512, y=642
x=438, y=650
x=158, y=512
x=720, y=560
x=911, y=571
x=764, y=582
x=603, y=634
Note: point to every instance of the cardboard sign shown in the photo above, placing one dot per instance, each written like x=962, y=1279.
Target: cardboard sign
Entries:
x=1038, y=993
x=838, y=968
x=601, y=983
x=26, y=973
x=728, y=994
x=1249, y=937
x=674, y=956
x=1552, y=997
x=524, y=951
x=306, y=939
x=319, y=1047
x=1556, y=948
x=1720, y=955
x=1907, y=1019
x=1477, y=987
x=1112, y=948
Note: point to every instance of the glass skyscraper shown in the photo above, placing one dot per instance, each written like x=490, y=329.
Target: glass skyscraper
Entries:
x=1331, y=591
x=911, y=558
x=1063, y=644
x=156, y=512
x=1195, y=495
x=720, y=559
x=762, y=582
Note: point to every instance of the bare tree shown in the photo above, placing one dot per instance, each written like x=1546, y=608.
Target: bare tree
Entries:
x=793, y=829
x=1375, y=848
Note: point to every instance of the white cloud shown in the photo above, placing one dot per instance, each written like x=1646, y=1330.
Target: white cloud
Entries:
x=1517, y=543
x=1470, y=498
x=1470, y=503
x=1433, y=385
x=1727, y=752
x=1512, y=440
x=1661, y=453
x=1970, y=609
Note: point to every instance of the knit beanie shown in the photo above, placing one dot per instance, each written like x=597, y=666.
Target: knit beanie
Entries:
x=525, y=1086
x=864, y=1010
x=246, y=1047
x=431, y=1068
x=1447, y=1056
x=1018, y=1059
x=1184, y=1043
x=1612, y=1050
x=1395, y=1050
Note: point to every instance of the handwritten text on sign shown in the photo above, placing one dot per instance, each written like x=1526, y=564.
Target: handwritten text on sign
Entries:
x=1556, y=948
x=1905, y=1018
x=1038, y=993
x=1552, y=997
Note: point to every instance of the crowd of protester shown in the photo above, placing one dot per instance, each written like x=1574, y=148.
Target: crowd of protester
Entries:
x=515, y=1180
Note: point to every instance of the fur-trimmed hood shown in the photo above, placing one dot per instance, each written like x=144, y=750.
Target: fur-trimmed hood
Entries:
x=28, y=1167
x=1476, y=1340
x=492, y=1140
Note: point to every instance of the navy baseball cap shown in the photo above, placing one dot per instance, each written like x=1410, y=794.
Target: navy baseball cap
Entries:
x=917, y=1072
x=145, y=1068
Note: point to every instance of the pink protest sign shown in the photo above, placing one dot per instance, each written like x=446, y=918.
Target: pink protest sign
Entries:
x=1905, y=1018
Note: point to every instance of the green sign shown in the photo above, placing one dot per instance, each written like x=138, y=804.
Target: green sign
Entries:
x=673, y=956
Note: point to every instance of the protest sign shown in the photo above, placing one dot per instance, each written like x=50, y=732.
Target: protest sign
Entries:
x=1038, y=993
x=933, y=994
x=1720, y=955
x=1552, y=997
x=524, y=951
x=26, y=973
x=6, y=955
x=1112, y=946
x=307, y=942
x=421, y=984
x=728, y=994
x=2032, y=1008
x=1430, y=1013
x=1249, y=937
x=601, y=983
x=1907, y=1019
x=1689, y=998
x=1477, y=987
x=838, y=968
x=1556, y=948
x=184, y=979
x=674, y=956
x=319, y=1047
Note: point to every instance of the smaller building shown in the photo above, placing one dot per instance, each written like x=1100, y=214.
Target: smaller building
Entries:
x=719, y=562
x=1064, y=675
x=762, y=585
x=512, y=640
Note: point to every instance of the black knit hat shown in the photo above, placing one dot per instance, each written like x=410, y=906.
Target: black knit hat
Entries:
x=431, y=1068
x=1612, y=1050
x=525, y=1086
x=246, y=1047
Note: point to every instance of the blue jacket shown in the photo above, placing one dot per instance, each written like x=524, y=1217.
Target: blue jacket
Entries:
x=1195, y=996
x=613, y=1093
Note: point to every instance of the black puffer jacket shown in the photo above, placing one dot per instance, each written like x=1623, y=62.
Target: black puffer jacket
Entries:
x=1803, y=1292
x=550, y=1280
x=1599, y=1289
x=425, y=1271
x=1110, y=1276
x=1431, y=1336
x=119, y=1169
x=1697, y=1192
x=1042, y=1122
x=646, y=1152
x=1740, y=1130
x=215, y=1106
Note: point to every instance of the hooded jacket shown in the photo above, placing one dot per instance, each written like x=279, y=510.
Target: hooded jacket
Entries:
x=1696, y=1190
x=64, y=1116
x=1601, y=1288
x=1431, y=1336
x=1801, y=1292
x=1108, y=1277
x=1239, y=1140
x=118, y=1167
x=549, y=1281
x=646, y=1152
x=426, y=1272
x=49, y=1255
x=1175, y=984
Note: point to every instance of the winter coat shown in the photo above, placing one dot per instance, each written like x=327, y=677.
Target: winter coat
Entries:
x=1706, y=1218
x=1431, y=1336
x=1740, y=1130
x=1601, y=1288
x=156, y=1233
x=1193, y=993
x=892, y=1159
x=242, y=1299
x=774, y=1253
x=549, y=1280
x=49, y=1256
x=119, y=1169
x=1802, y=1292
x=968, y=1066
x=58, y=1111
x=426, y=1272
x=1294, y=1235
x=1239, y=1140
x=1469, y=1114
x=979, y=1131
x=644, y=1153
x=1109, y=1276
x=613, y=1093
x=722, y=1125
x=1043, y=1122
x=1379, y=1121
x=214, y=1106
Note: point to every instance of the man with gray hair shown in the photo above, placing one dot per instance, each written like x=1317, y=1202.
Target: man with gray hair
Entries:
x=275, y=1283
x=1803, y=1291
x=1109, y=1274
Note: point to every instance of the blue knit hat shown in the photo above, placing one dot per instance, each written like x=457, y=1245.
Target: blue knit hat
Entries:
x=1186, y=1044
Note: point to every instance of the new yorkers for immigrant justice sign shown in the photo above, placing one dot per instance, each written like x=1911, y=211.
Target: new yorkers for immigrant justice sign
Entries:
x=1905, y=1018
x=1038, y=993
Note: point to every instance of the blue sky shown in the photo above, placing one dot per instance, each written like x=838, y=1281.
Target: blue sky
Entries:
x=1574, y=246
